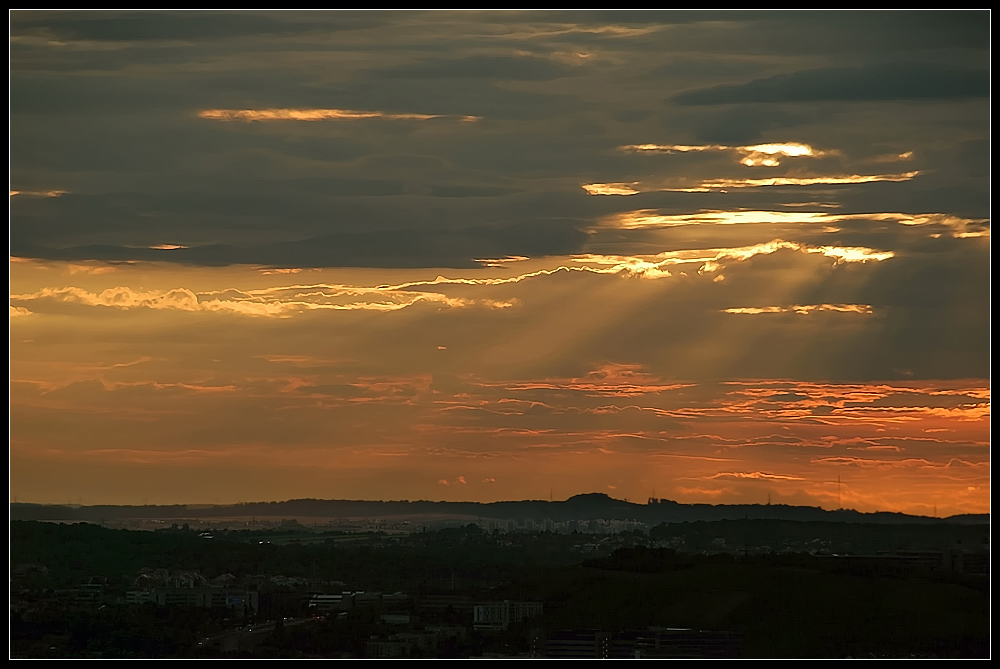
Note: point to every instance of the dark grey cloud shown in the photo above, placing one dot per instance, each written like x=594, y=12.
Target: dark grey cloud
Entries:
x=854, y=33
x=111, y=117
x=388, y=248
x=974, y=156
x=138, y=26
x=479, y=67
x=889, y=29
x=631, y=115
x=701, y=69
x=919, y=196
x=746, y=124
x=462, y=95
x=470, y=191
x=879, y=81
x=605, y=17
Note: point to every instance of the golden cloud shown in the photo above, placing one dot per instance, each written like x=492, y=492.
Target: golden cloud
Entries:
x=803, y=309
x=709, y=185
x=715, y=184
x=612, y=189
x=90, y=269
x=651, y=218
x=499, y=262
x=281, y=302
x=251, y=115
x=766, y=155
x=654, y=267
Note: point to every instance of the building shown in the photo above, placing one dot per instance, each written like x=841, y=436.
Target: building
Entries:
x=403, y=645
x=323, y=603
x=499, y=615
x=139, y=596
x=238, y=600
x=653, y=642
x=579, y=644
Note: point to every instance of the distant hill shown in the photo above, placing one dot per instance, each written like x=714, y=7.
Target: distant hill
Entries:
x=584, y=507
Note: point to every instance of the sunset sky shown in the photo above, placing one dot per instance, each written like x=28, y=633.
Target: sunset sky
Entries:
x=706, y=256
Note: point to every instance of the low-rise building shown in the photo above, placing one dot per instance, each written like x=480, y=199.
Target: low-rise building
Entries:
x=238, y=600
x=499, y=615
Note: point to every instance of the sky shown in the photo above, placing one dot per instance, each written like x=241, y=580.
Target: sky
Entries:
x=714, y=257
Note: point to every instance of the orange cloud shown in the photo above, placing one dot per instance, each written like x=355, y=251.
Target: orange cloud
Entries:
x=38, y=193
x=754, y=475
x=710, y=492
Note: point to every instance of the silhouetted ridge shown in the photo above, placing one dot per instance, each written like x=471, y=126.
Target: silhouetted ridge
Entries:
x=579, y=507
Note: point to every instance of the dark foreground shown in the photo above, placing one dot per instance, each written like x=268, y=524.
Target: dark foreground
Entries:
x=709, y=589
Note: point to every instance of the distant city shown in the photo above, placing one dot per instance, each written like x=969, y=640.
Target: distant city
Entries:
x=439, y=585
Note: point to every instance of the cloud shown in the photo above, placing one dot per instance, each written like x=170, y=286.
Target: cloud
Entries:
x=803, y=309
x=524, y=68
x=655, y=267
x=872, y=462
x=612, y=189
x=955, y=226
x=276, y=303
x=710, y=492
x=748, y=123
x=708, y=185
x=201, y=25
x=409, y=245
x=754, y=475
x=577, y=333
x=766, y=155
x=879, y=81
x=902, y=398
x=252, y=115
x=37, y=193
